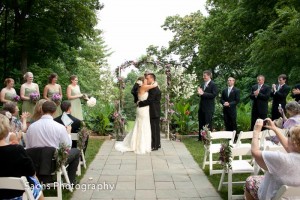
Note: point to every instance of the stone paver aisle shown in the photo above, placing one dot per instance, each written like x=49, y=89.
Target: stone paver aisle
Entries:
x=169, y=173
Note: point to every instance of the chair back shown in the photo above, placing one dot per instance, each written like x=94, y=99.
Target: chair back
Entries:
x=74, y=136
x=223, y=135
x=287, y=192
x=14, y=183
x=241, y=151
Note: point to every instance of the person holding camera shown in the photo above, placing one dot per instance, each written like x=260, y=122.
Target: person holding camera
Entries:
x=279, y=167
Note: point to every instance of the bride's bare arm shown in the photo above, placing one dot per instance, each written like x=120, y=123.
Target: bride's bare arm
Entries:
x=148, y=87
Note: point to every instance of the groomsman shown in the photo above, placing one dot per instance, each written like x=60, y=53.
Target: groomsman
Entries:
x=207, y=91
x=260, y=94
x=296, y=92
x=279, y=94
x=229, y=99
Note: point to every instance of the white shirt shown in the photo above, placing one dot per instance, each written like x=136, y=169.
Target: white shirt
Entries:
x=47, y=133
x=283, y=169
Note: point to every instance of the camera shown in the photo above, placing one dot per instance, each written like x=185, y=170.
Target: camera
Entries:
x=265, y=123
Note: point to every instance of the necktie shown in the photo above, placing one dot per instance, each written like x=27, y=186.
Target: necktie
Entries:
x=259, y=87
x=279, y=86
x=229, y=90
x=205, y=85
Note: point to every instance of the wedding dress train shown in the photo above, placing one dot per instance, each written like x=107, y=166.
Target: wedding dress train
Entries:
x=139, y=140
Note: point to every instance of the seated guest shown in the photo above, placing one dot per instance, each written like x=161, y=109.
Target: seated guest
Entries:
x=76, y=124
x=20, y=165
x=293, y=110
x=45, y=132
x=37, y=112
x=279, y=167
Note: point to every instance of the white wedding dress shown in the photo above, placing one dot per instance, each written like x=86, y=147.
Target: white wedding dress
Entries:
x=139, y=140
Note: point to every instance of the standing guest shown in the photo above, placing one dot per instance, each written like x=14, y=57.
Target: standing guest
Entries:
x=74, y=95
x=52, y=92
x=8, y=93
x=27, y=89
x=48, y=133
x=296, y=92
x=279, y=94
x=207, y=91
x=280, y=168
x=229, y=99
x=14, y=162
x=260, y=94
x=37, y=113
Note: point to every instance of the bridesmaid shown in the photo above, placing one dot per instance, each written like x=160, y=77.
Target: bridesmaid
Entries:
x=74, y=95
x=26, y=89
x=9, y=91
x=53, y=88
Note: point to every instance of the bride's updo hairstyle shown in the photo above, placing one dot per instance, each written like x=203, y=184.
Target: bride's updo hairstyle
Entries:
x=140, y=81
x=4, y=126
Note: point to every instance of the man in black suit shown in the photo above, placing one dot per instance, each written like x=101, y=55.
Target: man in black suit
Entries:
x=153, y=101
x=207, y=92
x=260, y=94
x=279, y=94
x=296, y=92
x=76, y=125
x=229, y=99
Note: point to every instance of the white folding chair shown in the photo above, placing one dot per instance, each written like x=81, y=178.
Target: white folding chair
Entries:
x=215, y=148
x=287, y=192
x=237, y=167
x=82, y=162
x=269, y=144
x=14, y=183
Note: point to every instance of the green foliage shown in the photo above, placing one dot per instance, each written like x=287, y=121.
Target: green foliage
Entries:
x=184, y=122
x=218, y=118
x=244, y=117
x=98, y=118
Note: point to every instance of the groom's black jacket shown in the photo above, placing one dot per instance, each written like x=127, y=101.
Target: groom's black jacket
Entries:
x=153, y=101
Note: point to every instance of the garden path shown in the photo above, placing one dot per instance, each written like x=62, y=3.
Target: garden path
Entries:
x=169, y=173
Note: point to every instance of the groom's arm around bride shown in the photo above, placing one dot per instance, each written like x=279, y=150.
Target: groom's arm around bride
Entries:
x=153, y=101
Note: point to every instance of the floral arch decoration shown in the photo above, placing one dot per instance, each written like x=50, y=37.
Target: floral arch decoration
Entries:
x=162, y=67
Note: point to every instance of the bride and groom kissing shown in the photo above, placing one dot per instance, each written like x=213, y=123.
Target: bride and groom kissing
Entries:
x=145, y=136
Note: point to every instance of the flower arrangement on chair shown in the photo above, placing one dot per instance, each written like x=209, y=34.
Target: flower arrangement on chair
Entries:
x=83, y=135
x=61, y=155
x=56, y=98
x=34, y=97
x=225, y=155
x=205, y=135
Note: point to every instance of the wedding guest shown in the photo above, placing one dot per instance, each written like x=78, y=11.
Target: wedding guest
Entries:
x=37, y=113
x=28, y=91
x=279, y=167
x=74, y=95
x=279, y=94
x=48, y=133
x=207, y=91
x=20, y=165
x=53, y=92
x=260, y=94
x=293, y=111
x=296, y=92
x=9, y=92
x=229, y=99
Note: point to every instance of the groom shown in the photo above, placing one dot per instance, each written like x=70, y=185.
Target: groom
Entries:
x=153, y=101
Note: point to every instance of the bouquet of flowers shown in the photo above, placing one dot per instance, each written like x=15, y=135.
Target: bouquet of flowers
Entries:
x=56, y=97
x=225, y=155
x=34, y=96
x=61, y=155
x=91, y=102
x=205, y=135
x=16, y=98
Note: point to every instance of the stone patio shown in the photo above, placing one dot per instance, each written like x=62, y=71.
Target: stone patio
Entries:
x=169, y=173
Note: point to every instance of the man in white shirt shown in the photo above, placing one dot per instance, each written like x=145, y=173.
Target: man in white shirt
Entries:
x=47, y=133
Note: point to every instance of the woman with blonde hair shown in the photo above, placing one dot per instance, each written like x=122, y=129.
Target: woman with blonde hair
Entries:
x=9, y=92
x=20, y=165
x=37, y=113
x=29, y=93
x=280, y=168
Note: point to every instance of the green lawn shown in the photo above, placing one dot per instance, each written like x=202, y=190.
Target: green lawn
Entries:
x=92, y=149
x=197, y=150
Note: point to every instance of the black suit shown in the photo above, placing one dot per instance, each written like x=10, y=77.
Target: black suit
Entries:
x=229, y=112
x=279, y=97
x=153, y=101
x=260, y=103
x=296, y=96
x=207, y=105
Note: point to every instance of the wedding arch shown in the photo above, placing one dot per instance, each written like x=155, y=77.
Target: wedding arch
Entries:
x=162, y=67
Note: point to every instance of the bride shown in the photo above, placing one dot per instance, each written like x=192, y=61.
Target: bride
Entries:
x=139, y=140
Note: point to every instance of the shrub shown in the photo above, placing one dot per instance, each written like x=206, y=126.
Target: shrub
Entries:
x=244, y=117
